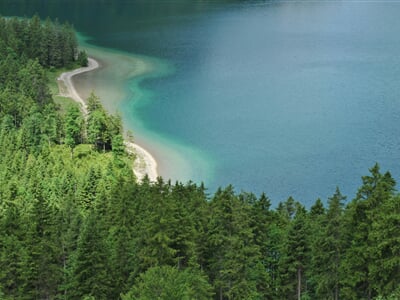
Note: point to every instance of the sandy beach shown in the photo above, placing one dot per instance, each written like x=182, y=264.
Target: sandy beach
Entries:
x=144, y=163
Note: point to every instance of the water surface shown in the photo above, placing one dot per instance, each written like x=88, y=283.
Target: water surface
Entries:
x=287, y=97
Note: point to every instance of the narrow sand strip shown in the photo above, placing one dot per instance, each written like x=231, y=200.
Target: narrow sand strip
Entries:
x=144, y=162
x=70, y=91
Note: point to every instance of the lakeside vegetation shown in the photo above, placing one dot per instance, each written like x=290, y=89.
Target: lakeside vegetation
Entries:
x=75, y=224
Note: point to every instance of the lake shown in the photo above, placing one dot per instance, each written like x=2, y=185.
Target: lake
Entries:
x=291, y=98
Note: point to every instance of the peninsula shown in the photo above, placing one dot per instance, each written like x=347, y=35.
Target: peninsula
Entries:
x=144, y=163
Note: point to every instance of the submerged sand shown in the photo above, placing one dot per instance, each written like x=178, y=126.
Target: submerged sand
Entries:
x=144, y=163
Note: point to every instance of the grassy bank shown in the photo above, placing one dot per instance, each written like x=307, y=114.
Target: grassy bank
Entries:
x=54, y=86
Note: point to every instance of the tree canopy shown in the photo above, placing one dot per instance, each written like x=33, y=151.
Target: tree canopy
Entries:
x=75, y=224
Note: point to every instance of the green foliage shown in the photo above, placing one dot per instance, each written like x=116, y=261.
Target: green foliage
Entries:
x=327, y=246
x=83, y=59
x=73, y=127
x=41, y=209
x=295, y=261
x=51, y=43
x=102, y=127
x=231, y=240
x=74, y=224
x=361, y=266
x=90, y=267
x=393, y=296
x=167, y=282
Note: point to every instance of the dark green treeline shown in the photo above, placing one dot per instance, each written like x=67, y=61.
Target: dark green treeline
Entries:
x=51, y=43
x=75, y=225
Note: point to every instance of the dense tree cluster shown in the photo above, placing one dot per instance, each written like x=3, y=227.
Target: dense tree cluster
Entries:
x=104, y=131
x=51, y=43
x=76, y=225
x=25, y=100
x=70, y=232
x=99, y=128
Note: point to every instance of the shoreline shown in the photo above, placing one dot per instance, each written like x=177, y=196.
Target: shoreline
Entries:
x=144, y=163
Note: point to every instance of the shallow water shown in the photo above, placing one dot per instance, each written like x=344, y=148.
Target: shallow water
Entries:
x=287, y=97
x=118, y=84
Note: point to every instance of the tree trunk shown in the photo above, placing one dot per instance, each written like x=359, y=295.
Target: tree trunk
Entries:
x=298, y=283
x=336, y=292
x=64, y=267
x=336, y=274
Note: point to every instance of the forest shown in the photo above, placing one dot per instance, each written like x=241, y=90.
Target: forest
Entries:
x=75, y=224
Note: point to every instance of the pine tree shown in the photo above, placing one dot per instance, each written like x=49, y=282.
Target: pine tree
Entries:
x=155, y=243
x=120, y=237
x=118, y=147
x=317, y=209
x=51, y=127
x=12, y=253
x=90, y=267
x=73, y=127
x=231, y=242
x=42, y=270
x=363, y=211
x=70, y=222
x=262, y=219
x=166, y=282
x=83, y=58
x=385, y=236
x=93, y=103
x=296, y=260
x=33, y=83
x=97, y=132
x=328, y=250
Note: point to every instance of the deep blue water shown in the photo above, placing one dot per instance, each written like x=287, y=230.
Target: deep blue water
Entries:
x=287, y=97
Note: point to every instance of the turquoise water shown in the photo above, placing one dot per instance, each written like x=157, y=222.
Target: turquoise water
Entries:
x=287, y=97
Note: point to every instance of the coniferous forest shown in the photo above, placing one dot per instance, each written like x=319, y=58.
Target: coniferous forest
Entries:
x=75, y=224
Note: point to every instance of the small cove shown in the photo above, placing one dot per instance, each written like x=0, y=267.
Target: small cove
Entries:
x=118, y=85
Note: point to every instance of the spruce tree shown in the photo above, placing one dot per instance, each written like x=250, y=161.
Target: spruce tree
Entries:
x=233, y=253
x=120, y=219
x=385, y=236
x=296, y=257
x=91, y=275
x=73, y=127
x=360, y=259
x=166, y=282
x=328, y=250
x=13, y=253
x=43, y=272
